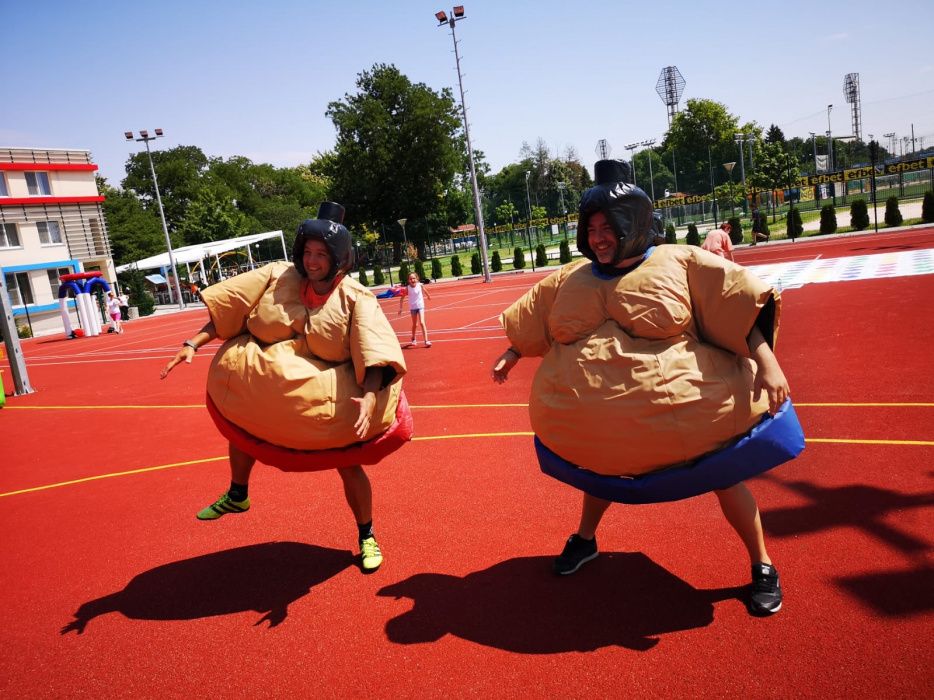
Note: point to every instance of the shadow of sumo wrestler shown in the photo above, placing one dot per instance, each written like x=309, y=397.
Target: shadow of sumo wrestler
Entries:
x=264, y=578
x=518, y=605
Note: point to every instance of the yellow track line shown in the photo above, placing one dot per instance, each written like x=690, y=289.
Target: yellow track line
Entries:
x=926, y=443
x=113, y=474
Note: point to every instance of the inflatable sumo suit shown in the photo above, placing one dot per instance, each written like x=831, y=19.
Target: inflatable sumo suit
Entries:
x=646, y=375
x=280, y=387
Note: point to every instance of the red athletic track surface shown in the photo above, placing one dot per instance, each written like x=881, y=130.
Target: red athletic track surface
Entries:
x=112, y=588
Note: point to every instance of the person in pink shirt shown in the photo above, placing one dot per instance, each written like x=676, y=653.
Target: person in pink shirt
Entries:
x=718, y=242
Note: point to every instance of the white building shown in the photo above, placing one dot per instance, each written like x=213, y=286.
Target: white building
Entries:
x=51, y=223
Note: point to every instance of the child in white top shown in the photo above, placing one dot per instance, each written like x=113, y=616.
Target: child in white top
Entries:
x=113, y=308
x=414, y=291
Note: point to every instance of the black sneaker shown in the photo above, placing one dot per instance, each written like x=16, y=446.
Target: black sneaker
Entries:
x=765, y=596
x=577, y=552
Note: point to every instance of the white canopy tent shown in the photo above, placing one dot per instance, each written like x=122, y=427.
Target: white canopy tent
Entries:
x=197, y=253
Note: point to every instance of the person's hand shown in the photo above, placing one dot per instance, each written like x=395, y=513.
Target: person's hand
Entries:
x=769, y=377
x=503, y=365
x=185, y=354
x=367, y=404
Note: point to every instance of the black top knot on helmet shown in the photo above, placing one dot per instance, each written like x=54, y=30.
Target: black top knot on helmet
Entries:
x=627, y=209
x=328, y=228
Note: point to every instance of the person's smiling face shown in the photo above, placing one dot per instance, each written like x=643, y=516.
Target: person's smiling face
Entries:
x=602, y=238
x=316, y=260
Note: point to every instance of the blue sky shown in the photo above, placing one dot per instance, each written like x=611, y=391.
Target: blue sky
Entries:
x=255, y=78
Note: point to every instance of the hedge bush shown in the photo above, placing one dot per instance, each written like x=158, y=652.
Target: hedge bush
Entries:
x=456, y=270
x=859, y=215
x=475, y=267
x=518, y=258
x=378, y=276
x=828, y=219
x=693, y=237
x=403, y=272
x=420, y=270
x=927, y=208
x=671, y=235
x=893, y=216
x=496, y=263
x=564, y=252
x=793, y=225
x=436, y=270
x=736, y=230
x=362, y=278
x=541, y=257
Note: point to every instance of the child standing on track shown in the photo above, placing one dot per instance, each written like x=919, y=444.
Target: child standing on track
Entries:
x=113, y=308
x=415, y=293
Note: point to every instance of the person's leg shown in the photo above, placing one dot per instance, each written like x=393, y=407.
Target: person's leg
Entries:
x=359, y=495
x=414, y=316
x=740, y=510
x=358, y=492
x=237, y=498
x=421, y=319
x=581, y=547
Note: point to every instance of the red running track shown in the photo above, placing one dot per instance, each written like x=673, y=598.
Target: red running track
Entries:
x=112, y=587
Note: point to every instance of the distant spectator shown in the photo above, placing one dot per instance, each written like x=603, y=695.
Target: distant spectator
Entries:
x=718, y=242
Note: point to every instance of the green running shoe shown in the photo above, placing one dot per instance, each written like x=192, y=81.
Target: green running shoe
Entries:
x=223, y=505
x=370, y=556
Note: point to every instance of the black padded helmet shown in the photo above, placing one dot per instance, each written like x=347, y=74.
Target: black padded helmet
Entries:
x=328, y=228
x=628, y=210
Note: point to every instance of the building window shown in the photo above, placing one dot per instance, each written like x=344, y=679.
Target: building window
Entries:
x=38, y=184
x=4, y=192
x=9, y=238
x=50, y=233
x=17, y=284
x=54, y=282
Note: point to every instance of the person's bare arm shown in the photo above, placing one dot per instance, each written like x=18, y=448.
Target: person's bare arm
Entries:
x=205, y=335
x=769, y=375
x=504, y=364
x=371, y=381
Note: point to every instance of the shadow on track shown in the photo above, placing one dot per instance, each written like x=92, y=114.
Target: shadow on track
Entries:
x=621, y=599
x=264, y=577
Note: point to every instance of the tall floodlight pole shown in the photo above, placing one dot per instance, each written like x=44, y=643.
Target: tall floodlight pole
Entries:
x=457, y=14
x=146, y=138
x=405, y=240
x=631, y=147
x=647, y=144
x=528, y=229
x=739, y=138
x=669, y=87
x=729, y=168
x=829, y=142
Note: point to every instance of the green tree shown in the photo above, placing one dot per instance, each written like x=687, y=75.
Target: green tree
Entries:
x=702, y=124
x=893, y=216
x=399, y=147
x=362, y=278
x=775, y=169
x=859, y=215
x=774, y=135
x=506, y=213
x=671, y=234
x=828, y=219
x=378, y=276
x=210, y=217
x=456, y=269
x=420, y=270
x=179, y=171
x=496, y=263
x=436, y=271
x=403, y=272
x=475, y=267
x=135, y=233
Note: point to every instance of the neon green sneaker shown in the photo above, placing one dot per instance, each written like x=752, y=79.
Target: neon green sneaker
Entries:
x=370, y=556
x=223, y=505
